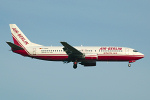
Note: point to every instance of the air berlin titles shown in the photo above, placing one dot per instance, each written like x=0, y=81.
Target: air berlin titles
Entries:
x=110, y=50
x=20, y=36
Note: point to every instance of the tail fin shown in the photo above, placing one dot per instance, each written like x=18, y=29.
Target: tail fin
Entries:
x=19, y=38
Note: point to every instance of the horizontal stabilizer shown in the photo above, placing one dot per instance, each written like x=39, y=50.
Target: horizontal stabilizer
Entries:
x=14, y=46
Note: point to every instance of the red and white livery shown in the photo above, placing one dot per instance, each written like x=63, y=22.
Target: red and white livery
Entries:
x=83, y=55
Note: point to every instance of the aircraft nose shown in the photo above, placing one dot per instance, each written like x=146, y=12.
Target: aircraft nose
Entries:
x=142, y=55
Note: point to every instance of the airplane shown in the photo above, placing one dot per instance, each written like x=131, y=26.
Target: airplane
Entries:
x=84, y=55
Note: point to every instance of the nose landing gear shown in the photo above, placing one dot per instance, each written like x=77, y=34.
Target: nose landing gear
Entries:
x=132, y=61
x=129, y=65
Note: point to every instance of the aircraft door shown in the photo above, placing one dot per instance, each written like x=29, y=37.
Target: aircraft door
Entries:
x=34, y=51
x=127, y=51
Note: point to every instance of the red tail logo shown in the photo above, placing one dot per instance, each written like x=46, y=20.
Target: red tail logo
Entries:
x=23, y=39
x=15, y=30
x=20, y=36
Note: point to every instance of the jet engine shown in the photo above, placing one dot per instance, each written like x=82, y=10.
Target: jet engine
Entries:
x=88, y=63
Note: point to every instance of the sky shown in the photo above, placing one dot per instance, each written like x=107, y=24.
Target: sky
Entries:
x=123, y=23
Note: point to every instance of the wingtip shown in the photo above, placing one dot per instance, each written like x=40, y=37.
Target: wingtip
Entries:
x=63, y=42
x=7, y=41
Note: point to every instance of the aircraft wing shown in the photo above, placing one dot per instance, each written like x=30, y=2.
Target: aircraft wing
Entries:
x=70, y=50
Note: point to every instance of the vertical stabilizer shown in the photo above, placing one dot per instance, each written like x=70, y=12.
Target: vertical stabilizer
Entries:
x=19, y=38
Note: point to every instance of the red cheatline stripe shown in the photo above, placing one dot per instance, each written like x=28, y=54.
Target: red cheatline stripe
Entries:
x=52, y=54
x=119, y=55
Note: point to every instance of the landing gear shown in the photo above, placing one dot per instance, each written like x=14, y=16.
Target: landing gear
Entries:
x=131, y=61
x=75, y=65
x=129, y=65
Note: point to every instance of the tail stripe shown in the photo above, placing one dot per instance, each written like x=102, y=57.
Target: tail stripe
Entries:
x=20, y=44
x=15, y=41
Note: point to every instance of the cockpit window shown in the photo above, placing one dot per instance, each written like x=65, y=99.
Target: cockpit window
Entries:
x=135, y=51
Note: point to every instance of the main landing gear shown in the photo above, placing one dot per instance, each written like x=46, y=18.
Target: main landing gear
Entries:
x=75, y=65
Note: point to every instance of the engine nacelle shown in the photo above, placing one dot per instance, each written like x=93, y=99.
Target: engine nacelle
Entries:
x=90, y=63
x=90, y=56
